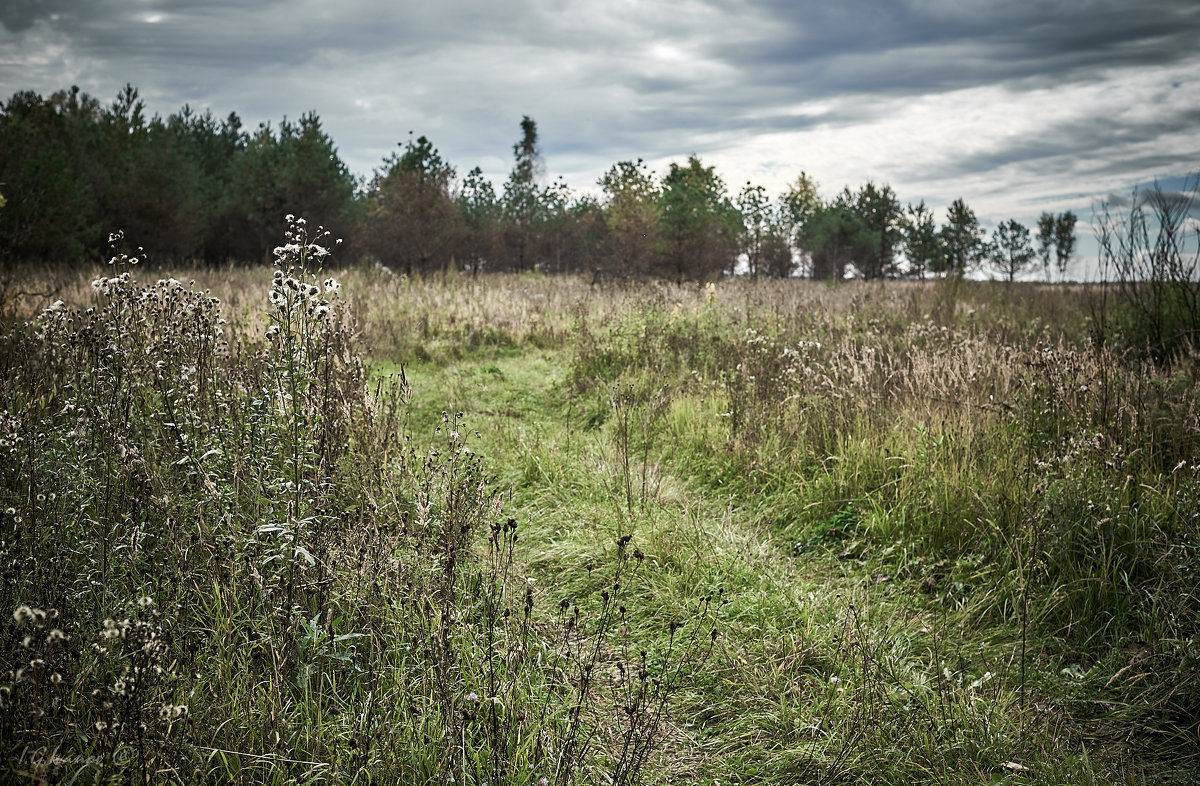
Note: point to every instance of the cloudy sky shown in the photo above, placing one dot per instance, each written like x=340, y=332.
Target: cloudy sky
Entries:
x=1018, y=106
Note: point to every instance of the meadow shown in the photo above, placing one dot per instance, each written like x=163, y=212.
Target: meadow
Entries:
x=308, y=524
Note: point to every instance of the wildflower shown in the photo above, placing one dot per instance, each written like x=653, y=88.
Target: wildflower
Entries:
x=56, y=635
x=56, y=678
x=23, y=613
x=332, y=285
x=471, y=697
x=145, y=601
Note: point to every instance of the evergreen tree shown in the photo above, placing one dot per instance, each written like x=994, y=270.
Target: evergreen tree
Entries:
x=879, y=211
x=778, y=260
x=297, y=172
x=482, y=215
x=522, y=198
x=51, y=213
x=412, y=213
x=219, y=147
x=838, y=238
x=922, y=244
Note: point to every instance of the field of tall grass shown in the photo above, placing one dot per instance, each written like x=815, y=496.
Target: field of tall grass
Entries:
x=311, y=525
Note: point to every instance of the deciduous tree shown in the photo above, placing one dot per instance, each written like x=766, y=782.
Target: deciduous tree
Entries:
x=757, y=221
x=962, y=240
x=698, y=223
x=797, y=205
x=1064, y=241
x=631, y=213
x=1010, y=250
x=1045, y=240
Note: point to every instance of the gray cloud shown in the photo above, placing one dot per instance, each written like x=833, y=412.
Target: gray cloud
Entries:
x=764, y=85
x=1062, y=142
x=20, y=15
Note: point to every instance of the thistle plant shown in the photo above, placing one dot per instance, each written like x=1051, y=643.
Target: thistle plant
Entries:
x=298, y=358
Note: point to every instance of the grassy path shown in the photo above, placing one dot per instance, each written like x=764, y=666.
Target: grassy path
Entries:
x=828, y=667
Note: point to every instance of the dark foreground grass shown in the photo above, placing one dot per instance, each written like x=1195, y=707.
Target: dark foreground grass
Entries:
x=520, y=529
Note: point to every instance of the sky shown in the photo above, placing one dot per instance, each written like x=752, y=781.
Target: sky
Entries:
x=1016, y=106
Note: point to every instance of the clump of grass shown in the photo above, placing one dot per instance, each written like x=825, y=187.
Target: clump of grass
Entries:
x=1035, y=484
x=229, y=558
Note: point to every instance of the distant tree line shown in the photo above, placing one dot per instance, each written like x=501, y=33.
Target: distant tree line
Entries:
x=194, y=187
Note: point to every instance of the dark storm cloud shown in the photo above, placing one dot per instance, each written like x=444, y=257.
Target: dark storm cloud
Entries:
x=19, y=15
x=222, y=37
x=1059, y=142
x=863, y=45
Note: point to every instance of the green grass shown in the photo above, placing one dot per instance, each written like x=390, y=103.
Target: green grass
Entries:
x=938, y=540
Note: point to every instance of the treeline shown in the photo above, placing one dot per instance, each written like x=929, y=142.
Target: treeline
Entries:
x=192, y=187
